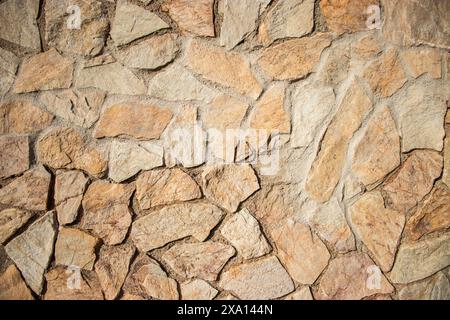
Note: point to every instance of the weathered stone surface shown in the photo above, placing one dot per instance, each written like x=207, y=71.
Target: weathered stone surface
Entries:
x=432, y=215
x=423, y=60
x=60, y=286
x=106, y=210
x=15, y=155
x=31, y=251
x=346, y=15
x=225, y=112
x=142, y=121
x=269, y=113
x=79, y=107
x=75, y=248
x=301, y=251
x=226, y=297
x=8, y=68
x=150, y=54
x=187, y=87
x=88, y=39
x=229, y=185
x=434, y=288
x=414, y=180
x=175, y=222
x=385, y=75
x=227, y=69
x=29, y=191
x=420, y=112
x=65, y=148
x=197, y=289
x=126, y=159
x=377, y=153
x=192, y=17
x=352, y=187
x=326, y=170
x=446, y=174
x=112, y=77
x=414, y=23
x=336, y=66
x=366, y=47
x=352, y=277
x=293, y=59
x=18, y=23
x=287, y=19
x=260, y=280
x=103, y=59
x=379, y=228
x=301, y=294
x=112, y=268
x=12, y=220
x=165, y=186
x=244, y=233
x=418, y=260
x=239, y=20
x=148, y=280
x=12, y=286
x=132, y=22
x=198, y=260
x=23, y=117
x=69, y=190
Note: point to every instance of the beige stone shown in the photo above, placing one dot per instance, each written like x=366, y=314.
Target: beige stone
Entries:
x=106, y=211
x=377, y=153
x=29, y=191
x=142, y=121
x=44, y=71
x=446, y=174
x=366, y=47
x=192, y=17
x=434, y=288
x=112, y=268
x=197, y=289
x=229, y=185
x=414, y=180
x=293, y=59
x=424, y=60
x=32, y=250
x=175, y=222
x=12, y=286
x=385, y=75
x=227, y=69
x=75, y=248
x=12, y=220
x=15, y=155
x=8, y=67
x=260, y=280
x=301, y=294
x=224, y=112
x=165, y=186
x=352, y=277
x=379, y=228
x=326, y=170
x=336, y=67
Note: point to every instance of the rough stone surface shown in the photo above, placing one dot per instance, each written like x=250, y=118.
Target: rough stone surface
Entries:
x=446, y=174
x=15, y=156
x=8, y=68
x=366, y=47
x=435, y=288
x=12, y=286
x=301, y=294
x=12, y=220
x=422, y=61
x=224, y=112
x=197, y=289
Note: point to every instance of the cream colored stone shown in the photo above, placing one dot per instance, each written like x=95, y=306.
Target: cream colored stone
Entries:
x=224, y=112
x=434, y=288
x=336, y=66
x=15, y=155
x=301, y=294
x=12, y=286
x=446, y=174
x=12, y=220
x=197, y=289
x=366, y=47
x=422, y=61
x=8, y=67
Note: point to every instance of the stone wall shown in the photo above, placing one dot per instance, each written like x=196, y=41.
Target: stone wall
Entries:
x=224, y=149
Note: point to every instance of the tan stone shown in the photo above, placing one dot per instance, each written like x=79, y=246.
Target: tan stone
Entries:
x=12, y=286
x=197, y=289
x=65, y=148
x=385, y=75
x=15, y=155
x=301, y=294
x=23, y=117
x=142, y=121
x=300, y=250
x=434, y=288
x=69, y=190
x=12, y=220
x=366, y=47
x=192, y=17
x=198, y=260
x=335, y=69
x=293, y=59
x=269, y=113
x=352, y=277
x=424, y=60
x=260, y=280
x=8, y=67
x=377, y=152
x=32, y=250
x=229, y=185
x=414, y=180
x=421, y=259
x=165, y=186
x=61, y=286
x=446, y=174
x=106, y=210
x=44, y=71
x=346, y=15
x=29, y=191
x=112, y=268
x=326, y=170
x=227, y=69
x=224, y=112
x=379, y=228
